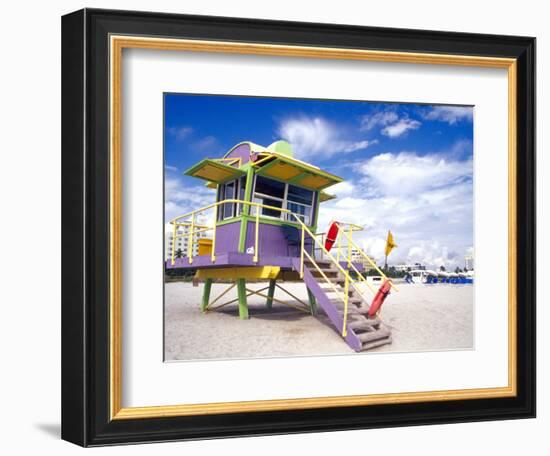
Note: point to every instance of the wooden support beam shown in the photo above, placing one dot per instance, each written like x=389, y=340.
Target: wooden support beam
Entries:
x=219, y=306
x=303, y=309
x=229, y=288
x=292, y=296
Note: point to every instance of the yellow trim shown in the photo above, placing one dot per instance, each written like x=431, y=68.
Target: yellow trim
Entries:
x=190, y=246
x=249, y=273
x=204, y=246
x=282, y=171
x=263, y=159
x=256, y=235
x=302, y=251
x=323, y=196
x=306, y=174
x=230, y=161
x=213, y=256
x=117, y=44
x=313, y=181
x=346, y=299
x=214, y=170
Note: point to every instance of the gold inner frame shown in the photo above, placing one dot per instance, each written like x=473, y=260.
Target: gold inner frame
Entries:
x=117, y=44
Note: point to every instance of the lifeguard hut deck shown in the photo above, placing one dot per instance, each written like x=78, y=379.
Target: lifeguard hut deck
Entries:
x=263, y=226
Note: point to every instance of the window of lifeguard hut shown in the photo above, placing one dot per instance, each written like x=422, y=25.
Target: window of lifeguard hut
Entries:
x=231, y=190
x=297, y=200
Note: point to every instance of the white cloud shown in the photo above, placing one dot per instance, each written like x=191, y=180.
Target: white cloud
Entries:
x=170, y=168
x=450, y=114
x=208, y=144
x=342, y=189
x=406, y=172
x=400, y=128
x=390, y=123
x=353, y=146
x=180, y=198
x=381, y=118
x=315, y=136
x=435, y=255
x=348, y=202
x=427, y=202
x=180, y=133
x=205, y=144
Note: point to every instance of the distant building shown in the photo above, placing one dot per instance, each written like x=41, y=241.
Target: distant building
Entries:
x=469, y=262
x=356, y=256
x=406, y=267
x=181, y=241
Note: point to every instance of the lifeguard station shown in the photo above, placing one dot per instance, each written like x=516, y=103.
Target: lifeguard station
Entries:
x=263, y=227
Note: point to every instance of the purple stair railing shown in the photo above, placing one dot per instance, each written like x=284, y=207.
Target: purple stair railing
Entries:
x=325, y=302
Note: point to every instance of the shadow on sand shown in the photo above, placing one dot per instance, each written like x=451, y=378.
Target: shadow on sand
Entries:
x=276, y=313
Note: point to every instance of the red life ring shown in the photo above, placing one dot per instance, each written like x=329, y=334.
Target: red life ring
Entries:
x=378, y=300
x=332, y=234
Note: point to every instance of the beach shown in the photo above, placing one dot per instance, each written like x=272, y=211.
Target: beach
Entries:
x=421, y=317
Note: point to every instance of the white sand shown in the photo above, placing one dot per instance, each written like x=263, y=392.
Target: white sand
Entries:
x=422, y=318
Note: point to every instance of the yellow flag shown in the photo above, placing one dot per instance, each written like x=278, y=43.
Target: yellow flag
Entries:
x=390, y=243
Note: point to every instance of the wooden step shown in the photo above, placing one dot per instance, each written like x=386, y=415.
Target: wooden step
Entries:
x=371, y=336
x=336, y=279
x=353, y=310
x=376, y=343
x=320, y=263
x=327, y=272
x=325, y=286
x=329, y=289
x=361, y=316
x=363, y=324
x=351, y=301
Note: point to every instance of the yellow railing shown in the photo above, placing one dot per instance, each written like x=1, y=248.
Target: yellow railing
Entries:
x=191, y=231
x=188, y=221
x=352, y=244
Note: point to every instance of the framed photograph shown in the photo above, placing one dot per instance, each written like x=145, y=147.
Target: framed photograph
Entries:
x=277, y=227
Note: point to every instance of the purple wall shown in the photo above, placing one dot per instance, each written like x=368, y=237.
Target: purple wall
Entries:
x=242, y=152
x=272, y=242
x=227, y=238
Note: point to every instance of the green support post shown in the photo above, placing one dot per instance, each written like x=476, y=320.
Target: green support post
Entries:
x=243, y=306
x=246, y=208
x=316, y=214
x=206, y=294
x=270, y=293
x=312, y=302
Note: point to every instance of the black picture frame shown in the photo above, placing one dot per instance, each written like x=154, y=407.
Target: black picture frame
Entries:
x=85, y=225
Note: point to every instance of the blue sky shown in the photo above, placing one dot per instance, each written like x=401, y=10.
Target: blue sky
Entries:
x=407, y=167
